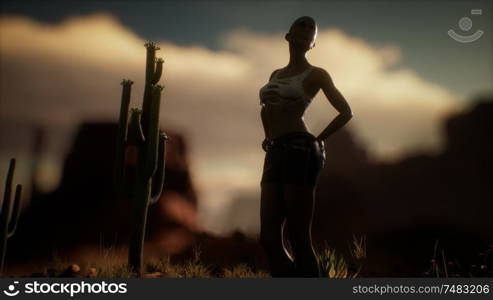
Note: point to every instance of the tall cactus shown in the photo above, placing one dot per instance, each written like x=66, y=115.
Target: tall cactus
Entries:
x=8, y=216
x=143, y=133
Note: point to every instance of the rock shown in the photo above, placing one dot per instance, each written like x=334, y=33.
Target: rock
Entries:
x=71, y=271
x=92, y=272
x=153, y=275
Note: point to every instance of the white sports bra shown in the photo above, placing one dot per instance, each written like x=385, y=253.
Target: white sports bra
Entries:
x=290, y=89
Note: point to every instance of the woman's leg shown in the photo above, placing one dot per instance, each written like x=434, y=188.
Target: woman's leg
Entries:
x=300, y=201
x=272, y=216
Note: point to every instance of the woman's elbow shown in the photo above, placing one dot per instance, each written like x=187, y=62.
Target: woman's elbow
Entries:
x=348, y=115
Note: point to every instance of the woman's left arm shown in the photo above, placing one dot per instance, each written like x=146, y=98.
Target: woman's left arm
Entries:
x=338, y=101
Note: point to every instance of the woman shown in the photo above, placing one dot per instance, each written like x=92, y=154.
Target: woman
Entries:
x=294, y=156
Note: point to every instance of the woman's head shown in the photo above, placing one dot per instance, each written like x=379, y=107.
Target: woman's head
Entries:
x=303, y=33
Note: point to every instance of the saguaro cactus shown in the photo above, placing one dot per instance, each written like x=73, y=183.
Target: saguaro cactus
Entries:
x=142, y=132
x=9, y=216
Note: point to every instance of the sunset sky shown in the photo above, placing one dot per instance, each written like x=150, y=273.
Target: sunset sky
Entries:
x=61, y=62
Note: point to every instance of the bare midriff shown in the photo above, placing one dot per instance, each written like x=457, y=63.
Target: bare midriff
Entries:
x=279, y=120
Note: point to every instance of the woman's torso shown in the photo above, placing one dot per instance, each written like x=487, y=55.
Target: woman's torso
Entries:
x=285, y=100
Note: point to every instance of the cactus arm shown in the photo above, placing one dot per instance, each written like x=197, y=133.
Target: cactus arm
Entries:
x=4, y=214
x=146, y=104
x=122, y=134
x=148, y=88
x=135, y=133
x=159, y=70
x=158, y=178
x=15, y=212
x=8, y=190
x=150, y=60
x=153, y=133
x=125, y=102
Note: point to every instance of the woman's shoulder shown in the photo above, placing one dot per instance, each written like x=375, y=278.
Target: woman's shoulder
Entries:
x=274, y=73
x=319, y=74
x=319, y=71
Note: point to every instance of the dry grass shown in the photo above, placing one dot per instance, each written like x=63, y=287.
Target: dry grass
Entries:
x=243, y=271
x=111, y=263
x=334, y=265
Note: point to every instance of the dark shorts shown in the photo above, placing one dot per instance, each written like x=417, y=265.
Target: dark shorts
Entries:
x=294, y=158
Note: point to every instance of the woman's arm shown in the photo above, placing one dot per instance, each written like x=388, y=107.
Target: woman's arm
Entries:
x=263, y=116
x=338, y=101
x=266, y=141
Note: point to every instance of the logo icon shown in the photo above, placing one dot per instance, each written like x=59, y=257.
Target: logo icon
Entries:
x=11, y=290
x=465, y=24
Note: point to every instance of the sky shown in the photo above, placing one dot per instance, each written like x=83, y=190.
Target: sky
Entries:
x=61, y=63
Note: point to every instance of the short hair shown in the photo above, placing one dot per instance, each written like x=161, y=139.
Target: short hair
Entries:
x=303, y=17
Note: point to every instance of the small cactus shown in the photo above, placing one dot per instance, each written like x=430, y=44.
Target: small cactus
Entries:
x=142, y=132
x=8, y=216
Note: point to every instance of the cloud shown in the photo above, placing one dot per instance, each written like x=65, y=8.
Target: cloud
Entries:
x=61, y=74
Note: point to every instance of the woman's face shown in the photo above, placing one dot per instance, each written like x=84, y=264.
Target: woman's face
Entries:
x=303, y=32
